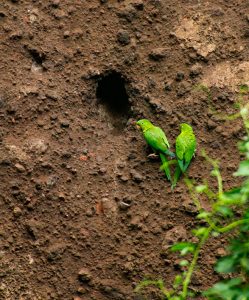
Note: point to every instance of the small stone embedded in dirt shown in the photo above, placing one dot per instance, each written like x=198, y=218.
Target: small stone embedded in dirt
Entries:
x=64, y=123
x=195, y=70
x=176, y=234
x=55, y=251
x=52, y=94
x=81, y=290
x=123, y=37
x=89, y=212
x=20, y=168
x=112, y=289
x=102, y=170
x=166, y=225
x=216, y=145
x=108, y=207
x=34, y=228
x=124, y=205
x=124, y=177
x=66, y=34
x=138, y=4
x=155, y=103
x=158, y=54
x=189, y=207
x=128, y=267
x=211, y=124
x=17, y=211
x=136, y=176
x=84, y=275
x=221, y=130
x=60, y=14
x=85, y=151
x=55, y=3
x=183, y=88
x=128, y=13
x=37, y=146
x=16, y=35
x=179, y=76
x=51, y=181
x=221, y=252
x=196, y=278
x=168, y=86
x=136, y=222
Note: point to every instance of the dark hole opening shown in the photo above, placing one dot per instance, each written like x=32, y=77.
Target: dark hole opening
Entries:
x=111, y=93
x=36, y=56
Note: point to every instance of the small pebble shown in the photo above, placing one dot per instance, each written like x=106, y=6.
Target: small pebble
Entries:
x=64, y=124
x=136, y=176
x=20, y=167
x=123, y=205
x=211, y=124
x=179, y=76
x=221, y=252
x=17, y=211
x=55, y=3
x=138, y=4
x=158, y=54
x=66, y=34
x=89, y=212
x=123, y=37
x=81, y=290
x=84, y=275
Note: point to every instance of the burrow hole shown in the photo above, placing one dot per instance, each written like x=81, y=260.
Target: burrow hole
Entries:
x=111, y=93
x=37, y=56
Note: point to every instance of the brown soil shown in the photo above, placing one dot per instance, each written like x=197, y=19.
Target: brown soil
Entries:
x=84, y=213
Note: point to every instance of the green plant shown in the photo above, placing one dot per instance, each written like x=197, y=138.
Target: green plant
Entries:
x=219, y=218
x=237, y=261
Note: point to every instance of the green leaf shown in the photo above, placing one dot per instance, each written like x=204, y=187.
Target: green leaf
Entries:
x=191, y=294
x=183, y=247
x=244, y=146
x=203, y=215
x=245, y=263
x=243, y=169
x=215, y=234
x=224, y=211
x=201, y=188
x=184, y=263
x=214, y=172
x=231, y=197
x=226, y=290
x=246, y=124
x=244, y=89
x=244, y=111
x=200, y=231
x=225, y=265
x=147, y=282
x=178, y=281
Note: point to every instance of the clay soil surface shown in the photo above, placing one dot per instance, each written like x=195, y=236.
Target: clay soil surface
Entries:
x=84, y=213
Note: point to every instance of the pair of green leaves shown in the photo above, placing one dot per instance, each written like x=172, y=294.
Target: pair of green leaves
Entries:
x=228, y=290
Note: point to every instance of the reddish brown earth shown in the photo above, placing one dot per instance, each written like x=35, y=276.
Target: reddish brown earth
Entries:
x=84, y=213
